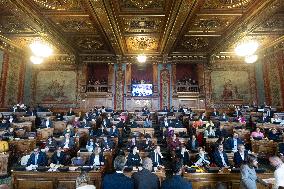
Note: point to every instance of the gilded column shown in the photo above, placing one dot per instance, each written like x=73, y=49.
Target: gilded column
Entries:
x=5, y=67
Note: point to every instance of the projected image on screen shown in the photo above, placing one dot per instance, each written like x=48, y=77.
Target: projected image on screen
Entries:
x=142, y=90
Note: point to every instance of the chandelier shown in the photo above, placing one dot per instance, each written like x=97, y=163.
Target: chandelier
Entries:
x=40, y=50
x=141, y=58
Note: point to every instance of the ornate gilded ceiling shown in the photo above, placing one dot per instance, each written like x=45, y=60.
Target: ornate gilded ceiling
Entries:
x=195, y=28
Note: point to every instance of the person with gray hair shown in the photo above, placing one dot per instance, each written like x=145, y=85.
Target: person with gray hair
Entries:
x=279, y=172
x=118, y=180
x=82, y=182
x=145, y=178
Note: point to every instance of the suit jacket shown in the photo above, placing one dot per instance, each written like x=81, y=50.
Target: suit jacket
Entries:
x=158, y=161
x=176, y=182
x=41, y=160
x=114, y=133
x=238, y=161
x=107, y=123
x=190, y=146
x=145, y=179
x=70, y=113
x=185, y=158
x=61, y=158
x=230, y=143
x=120, y=124
x=218, y=160
x=71, y=143
x=248, y=177
x=281, y=147
x=92, y=158
x=214, y=114
x=133, y=160
x=117, y=181
x=106, y=144
x=44, y=124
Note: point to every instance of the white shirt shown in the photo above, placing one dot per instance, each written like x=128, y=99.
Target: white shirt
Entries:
x=97, y=160
x=25, y=159
x=66, y=144
x=87, y=187
x=279, y=176
x=223, y=159
x=243, y=156
x=235, y=145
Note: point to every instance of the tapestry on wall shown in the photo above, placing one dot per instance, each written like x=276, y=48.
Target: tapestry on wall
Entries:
x=230, y=87
x=119, y=89
x=56, y=86
x=165, y=88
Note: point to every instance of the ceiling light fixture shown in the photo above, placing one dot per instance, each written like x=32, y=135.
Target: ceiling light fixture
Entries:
x=246, y=48
x=36, y=59
x=41, y=49
x=141, y=58
x=251, y=59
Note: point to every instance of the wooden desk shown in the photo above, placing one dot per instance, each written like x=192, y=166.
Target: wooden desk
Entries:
x=144, y=131
x=177, y=130
x=107, y=154
x=27, y=126
x=44, y=114
x=28, y=119
x=51, y=180
x=44, y=134
x=269, y=126
x=59, y=126
x=3, y=163
x=21, y=145
x=264, y=147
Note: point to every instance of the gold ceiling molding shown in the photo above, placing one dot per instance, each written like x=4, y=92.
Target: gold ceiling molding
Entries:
x=211, y=23
x=73, y=24
x=11, y=24
x=142, y=43
x=142, y=24
x=195, y=43
x=142, y=4
x=226, y=4
x=89, y=43
x=58, y=4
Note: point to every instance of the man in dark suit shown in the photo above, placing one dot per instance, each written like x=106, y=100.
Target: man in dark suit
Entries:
x=176, y=181
x=233, y=142
x=37, y=158
x=240, y=156
x=220, y=158
x=113, y=132
x=68, y=142
x=133, y=124
x=145, y=178
x=215, y=113
x=192, y=144
x=265, y=118
x=46, y=123
x=70, y=112
x=118, y=180
x=156, y=156
x=59, y=157
x=203, y=117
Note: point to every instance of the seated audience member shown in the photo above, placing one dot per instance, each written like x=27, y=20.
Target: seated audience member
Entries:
x=12, y=119
x=90, y=146
x=107, y=144
x=241, y=119
x=174, y=143
x=59, y=117
x=133, y=124
x=69, y=129
x=233, y=142
x=237, y=112
x=202, y=159
x=183, y=154
x=97, y=158
x=9, y=133
x=176, y=181
x=215, y=113
x=147, y=123
x=101, y=131
x=46, y=123
x=37, y=158
x=240, y=156
x=203, y=117
x=51, y=142
x=220, y=158
x=68, y=142
x=145, y=111
x=177, y=123
x=166, y=123
x=276, y=119
x=76, y=123
x=257, y=134
x=222, y=132
x=70, y=112
x=85, y=124
x=281, y=147
x=156, y=156
x=145, y=178
x=165, y=109
x=224, y=117
x=4, y=146
x=82, y=182
x=25, y=158
x=278, y=173
x=209, y=124
x=209, y=132
x=197, y=124
x=59, y=157
x=273, y=135
x=147, y=143
x=265, y=118
x=113, y=132
x=118, y=180
x=106, y=122
x=133, y=158
x=121, y=124
x=192, y=144
x=4, y=124
x=132, y=142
